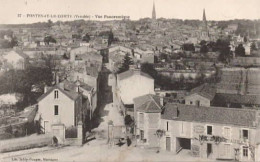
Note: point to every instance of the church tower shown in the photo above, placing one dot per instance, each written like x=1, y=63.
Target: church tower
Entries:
x=205, y=24
x=204, y=32
x=153, y=13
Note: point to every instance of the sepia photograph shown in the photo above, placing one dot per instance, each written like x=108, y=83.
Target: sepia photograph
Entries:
x=129, y=80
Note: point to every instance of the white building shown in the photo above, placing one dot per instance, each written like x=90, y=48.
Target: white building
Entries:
x=132, y=84
x=61, y=104
x=17, y=60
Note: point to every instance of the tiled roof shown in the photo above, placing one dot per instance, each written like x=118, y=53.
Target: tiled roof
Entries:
x=217, y=115
x=92, y=71
x=206, y=90
x=84, y=85
x=148, y=103
x=68, y=89
x=237, y=98
x=130, y=73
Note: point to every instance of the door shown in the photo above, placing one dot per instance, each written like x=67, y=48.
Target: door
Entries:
x=168, y=143
x=209, y=149
x=198, y=103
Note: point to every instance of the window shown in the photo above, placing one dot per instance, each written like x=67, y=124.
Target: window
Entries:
x=167, y=126
x=209, y=130
x=56, y=94
x=56, y=110
x=142, y=134
x=245, y=134
x=227, y=132
x=227, y=149
x=245, y=151
x=190, y=102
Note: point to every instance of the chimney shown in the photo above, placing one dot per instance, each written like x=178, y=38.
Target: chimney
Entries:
x=57, y=79
x=77, y=86
x=45, y=89
x=177, y=112
x=161, y=101
x=61, y=85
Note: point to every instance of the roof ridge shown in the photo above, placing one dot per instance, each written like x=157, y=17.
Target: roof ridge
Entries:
x=154, y=101
x=212, y=107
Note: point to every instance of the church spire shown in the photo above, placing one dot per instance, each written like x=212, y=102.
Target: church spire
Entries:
x=153, y=13
x=204, y=20
x=204, y=32
x=204, y=15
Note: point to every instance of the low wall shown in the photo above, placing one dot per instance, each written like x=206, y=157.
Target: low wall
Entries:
x=25, y=143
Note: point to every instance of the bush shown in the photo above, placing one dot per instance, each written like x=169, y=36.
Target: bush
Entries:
x=128, y=120
x=71, y=132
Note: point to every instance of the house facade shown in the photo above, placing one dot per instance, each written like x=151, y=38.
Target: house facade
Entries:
x=211, y=132
x=61, y=104
x=147, y=113
x=201, y=96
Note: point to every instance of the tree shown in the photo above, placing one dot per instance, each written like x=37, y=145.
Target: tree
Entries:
x=188, y=47
x=253, y=47
x=224, y=55
x=126, y=63
x=128, y=120
x=9, y=129
x=86, y=38
x=149, y=69
x=240, y=50
x=110, y=38
x=49, y=39
x=203, y=42
x=204, y=49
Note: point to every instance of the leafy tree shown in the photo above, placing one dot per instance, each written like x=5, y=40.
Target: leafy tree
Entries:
x=86, y=38
x=149, y=69
x=188, y=47
x=203, y=42
x=126, y=63
x=49, y=39
x=76, y=36
x=23, y=81
x=108, y=34
x=128, y=120
x=204, y=49
x=240, y=50
x=9, y=129
x=245, y=39
x=110, y=38
x=224, y=55
x=253, y=47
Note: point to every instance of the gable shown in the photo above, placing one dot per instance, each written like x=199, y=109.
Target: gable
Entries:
x=195, y=96
x=62, y=95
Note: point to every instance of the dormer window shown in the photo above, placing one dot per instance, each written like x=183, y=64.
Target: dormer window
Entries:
x=56, y=94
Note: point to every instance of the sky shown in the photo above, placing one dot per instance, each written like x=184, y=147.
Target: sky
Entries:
x=136, y=9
